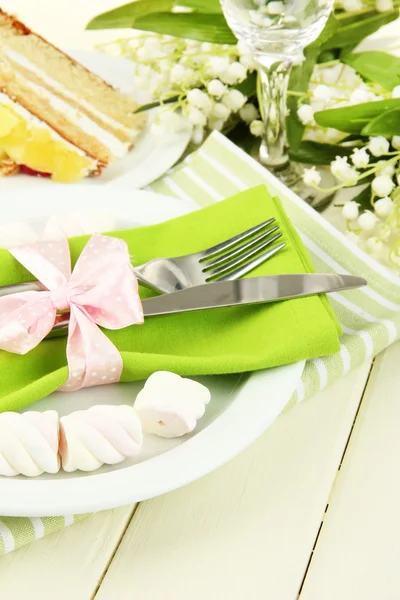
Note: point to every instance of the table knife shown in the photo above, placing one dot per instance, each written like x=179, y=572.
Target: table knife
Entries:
x=241, y=292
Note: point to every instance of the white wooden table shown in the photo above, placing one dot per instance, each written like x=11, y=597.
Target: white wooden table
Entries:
x=309, y=512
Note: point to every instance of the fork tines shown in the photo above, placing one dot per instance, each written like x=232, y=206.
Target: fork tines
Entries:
x=246, y=251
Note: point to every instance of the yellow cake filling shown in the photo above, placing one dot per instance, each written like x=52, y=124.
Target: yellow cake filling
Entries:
x=34, y=146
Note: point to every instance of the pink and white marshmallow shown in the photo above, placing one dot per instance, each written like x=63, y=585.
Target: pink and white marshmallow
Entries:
x=170, y=405
x=29, y=443
x=100, y=435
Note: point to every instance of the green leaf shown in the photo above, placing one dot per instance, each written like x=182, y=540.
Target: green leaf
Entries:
x=202, y=6
x=241, y=136
x=260, y=98
x=364, y=197
x=315, y=153
x=299, y=78
x=155, y=104
x=353, y=119
x=352, y=30
x=387, y=124
x=124, y=16
x=248, y=87
x=379, y=67
x=193, y=26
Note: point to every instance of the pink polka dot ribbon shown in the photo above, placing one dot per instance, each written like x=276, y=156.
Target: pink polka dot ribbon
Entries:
x=101, y=291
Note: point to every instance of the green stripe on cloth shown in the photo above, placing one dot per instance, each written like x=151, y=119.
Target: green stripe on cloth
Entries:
x=370, y=317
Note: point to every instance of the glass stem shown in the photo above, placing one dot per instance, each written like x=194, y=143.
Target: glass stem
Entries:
x=274, y=75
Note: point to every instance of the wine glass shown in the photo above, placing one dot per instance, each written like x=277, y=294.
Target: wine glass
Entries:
x=276, y=32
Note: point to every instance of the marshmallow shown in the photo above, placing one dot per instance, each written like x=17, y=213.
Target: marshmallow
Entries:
x=29, y=443
x=170, y=405
x=99, y=435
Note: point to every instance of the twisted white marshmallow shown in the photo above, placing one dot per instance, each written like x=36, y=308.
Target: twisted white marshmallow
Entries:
x=99, y=435
x=170, y=405
x=29, y=443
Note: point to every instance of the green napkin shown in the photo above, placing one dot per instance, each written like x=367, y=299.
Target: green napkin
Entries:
x=227, y=340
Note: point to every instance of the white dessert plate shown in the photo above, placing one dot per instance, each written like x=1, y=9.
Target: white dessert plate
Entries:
x=151, y=156
x=243, y=406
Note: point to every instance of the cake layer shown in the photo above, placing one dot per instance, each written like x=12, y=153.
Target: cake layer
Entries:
x=28, y=141
x=63, y=69
x=77, y=104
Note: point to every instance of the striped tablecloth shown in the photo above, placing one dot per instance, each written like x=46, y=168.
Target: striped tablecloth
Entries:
x=370, y=317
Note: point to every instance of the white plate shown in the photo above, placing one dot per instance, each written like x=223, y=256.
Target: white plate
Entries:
x=242, y=406
x=151, y=156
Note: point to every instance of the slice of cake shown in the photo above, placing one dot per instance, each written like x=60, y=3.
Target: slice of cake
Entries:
x=56, y=117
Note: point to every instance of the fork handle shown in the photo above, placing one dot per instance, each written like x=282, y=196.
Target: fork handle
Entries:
x=17, y=288
x=143, y=281
x=35, y=286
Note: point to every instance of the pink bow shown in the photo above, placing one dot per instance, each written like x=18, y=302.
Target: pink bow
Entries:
x=102, y=290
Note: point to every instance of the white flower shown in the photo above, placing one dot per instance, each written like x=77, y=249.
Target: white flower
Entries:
x=384, y=5
x=234, y=99
x=216, y=124
x=243, y=48
x=374, y=245
x=331, y=135
x=350, y=78
x=331, y=75
x=198, y=99
x=167, y=122
x=237, y=73
x=382, y=185
x=367, y=221
x=378, y=145
x=306, y=114
x=152, y=42
x=343, y=171
x=352, y=5
x=322, y=92
x=359, y=96
x=164, y=65
x=360, y=158
x=113, y=49
x=248, y=62
x=218, y=65
x=396, y=92
x=384, y=206
x=386, y=168
x=398, y=179
x=350, y=211
x=311, y=177
x=206, y=47
x=216, y=88
x=143, y=53
x=275, y=7
x=178, y=74
x=197, y=135
x=248, y=113
x=220, y=111
x=396, y=142
x=196, y=117
x=257, y=128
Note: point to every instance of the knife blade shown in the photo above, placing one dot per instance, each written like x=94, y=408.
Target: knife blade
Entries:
x=241, y=292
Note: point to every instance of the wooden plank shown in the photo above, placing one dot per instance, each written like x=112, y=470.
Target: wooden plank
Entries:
x=68, y=565
x=248, y=529
x=358, y=551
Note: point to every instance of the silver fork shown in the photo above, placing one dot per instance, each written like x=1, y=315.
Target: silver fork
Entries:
x=228, y=260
